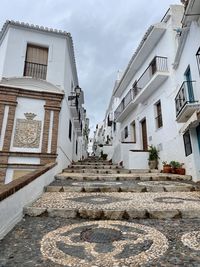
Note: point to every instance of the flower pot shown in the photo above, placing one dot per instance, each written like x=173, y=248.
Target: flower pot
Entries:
x=180, y=171
x=153, y=164
x=167, y=169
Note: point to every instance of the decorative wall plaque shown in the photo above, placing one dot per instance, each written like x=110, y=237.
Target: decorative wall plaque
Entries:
x=27, y=132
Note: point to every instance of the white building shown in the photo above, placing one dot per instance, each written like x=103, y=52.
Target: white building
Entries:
x=143, y=100
x=41, y=114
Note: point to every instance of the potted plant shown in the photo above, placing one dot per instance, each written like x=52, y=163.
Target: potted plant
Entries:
x=104, y=156
x=153, y=157
x=177, y=167
x=166, y=167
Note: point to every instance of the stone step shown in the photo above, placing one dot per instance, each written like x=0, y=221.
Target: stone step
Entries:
x=105, y=171
x=100, y=166
x=93, y=163
x=122, y=177
x=123, y=186
x=117, y=206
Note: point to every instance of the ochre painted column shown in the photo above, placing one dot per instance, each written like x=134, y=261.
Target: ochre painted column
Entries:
x=9, y=127
x=54, y=140
x=46, y=131
x=2, y=108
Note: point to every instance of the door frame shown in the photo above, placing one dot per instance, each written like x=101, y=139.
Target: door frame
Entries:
x=144, y=146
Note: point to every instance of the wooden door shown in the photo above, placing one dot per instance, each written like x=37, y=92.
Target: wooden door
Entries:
x=144, y=135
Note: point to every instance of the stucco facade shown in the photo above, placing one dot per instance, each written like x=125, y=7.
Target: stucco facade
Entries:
x=39, y=122
x=145, y=96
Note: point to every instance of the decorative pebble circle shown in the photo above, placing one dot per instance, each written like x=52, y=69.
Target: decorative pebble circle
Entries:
x=121, y=244
x=192, y=240
x=96, y=184
x=174, y=200
x=162, y=183
x=100, y=235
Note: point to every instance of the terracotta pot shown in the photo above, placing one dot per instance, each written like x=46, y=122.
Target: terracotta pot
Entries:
x=180, y=171
x=167, y=169
x=153, y=164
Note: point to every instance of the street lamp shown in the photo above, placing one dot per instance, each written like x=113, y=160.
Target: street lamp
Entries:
x=77, y=93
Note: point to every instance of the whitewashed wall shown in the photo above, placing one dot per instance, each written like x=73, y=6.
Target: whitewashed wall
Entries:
x=11, y=208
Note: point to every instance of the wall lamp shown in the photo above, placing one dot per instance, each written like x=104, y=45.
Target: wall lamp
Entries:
x=77, y=93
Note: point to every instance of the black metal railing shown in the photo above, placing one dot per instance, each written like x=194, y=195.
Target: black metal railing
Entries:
x=35, y=70
x=158, y=64
x=74, y=101
x=184, y=96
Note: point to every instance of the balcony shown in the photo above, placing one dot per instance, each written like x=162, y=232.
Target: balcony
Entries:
x=35, y=70
x=150, y=80
x=185, y=101
x=79, y=129
x=74, y=104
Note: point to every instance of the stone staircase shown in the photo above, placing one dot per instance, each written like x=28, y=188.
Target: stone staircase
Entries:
x=97, y=189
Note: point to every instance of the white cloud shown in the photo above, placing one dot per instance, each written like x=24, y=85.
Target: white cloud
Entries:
x=105, y=33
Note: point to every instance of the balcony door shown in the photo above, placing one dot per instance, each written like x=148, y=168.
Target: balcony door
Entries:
x=188, y=78
x=144, y=134
x=36, y=62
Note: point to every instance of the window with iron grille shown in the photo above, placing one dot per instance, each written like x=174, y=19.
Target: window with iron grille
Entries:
x=159, y=121
x=114, y=126
x=198, y=59
x=70, y=130
x=187, y=143
x=36, y=62
x=125, y=132
x=76, y=147
x=133, y=132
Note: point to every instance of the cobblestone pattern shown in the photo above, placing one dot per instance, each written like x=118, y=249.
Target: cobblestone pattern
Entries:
x=118, y=205
x=26, y=245
x=121, y=186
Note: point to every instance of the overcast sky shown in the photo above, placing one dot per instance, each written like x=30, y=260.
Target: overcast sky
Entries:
x=105, y=33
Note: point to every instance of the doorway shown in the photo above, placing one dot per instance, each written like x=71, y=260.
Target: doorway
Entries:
x=188, y=78
x=144, y=134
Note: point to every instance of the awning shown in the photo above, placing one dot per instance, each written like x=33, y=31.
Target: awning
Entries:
x=192, y=122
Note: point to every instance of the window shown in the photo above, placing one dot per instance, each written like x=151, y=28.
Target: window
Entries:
x=36, y=62
x=159, y=122
x=126, y=132
x=133, y=132
x=76, y=147
x=198, y=59
x=187, y=143
x=114, y=126
x=70, y=130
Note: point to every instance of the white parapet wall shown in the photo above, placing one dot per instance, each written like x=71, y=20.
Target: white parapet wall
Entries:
x=11, y=208
x=138, y=160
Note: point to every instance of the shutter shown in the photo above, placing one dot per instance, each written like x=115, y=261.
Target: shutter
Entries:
x=37, y=54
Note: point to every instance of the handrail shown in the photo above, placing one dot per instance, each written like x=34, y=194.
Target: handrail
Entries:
x=35, y=70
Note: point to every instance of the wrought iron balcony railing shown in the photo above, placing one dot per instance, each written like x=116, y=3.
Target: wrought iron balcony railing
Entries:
x=35, y=70
x=158, y=64
x=184, y=96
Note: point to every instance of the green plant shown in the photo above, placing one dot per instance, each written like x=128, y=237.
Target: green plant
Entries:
x=175, y=164
x=104, y=156
x=153, y=153
x=165, y=163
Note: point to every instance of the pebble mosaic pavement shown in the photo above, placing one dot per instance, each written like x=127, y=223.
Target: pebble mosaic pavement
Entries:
x=57, y=242
x=120, y=201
